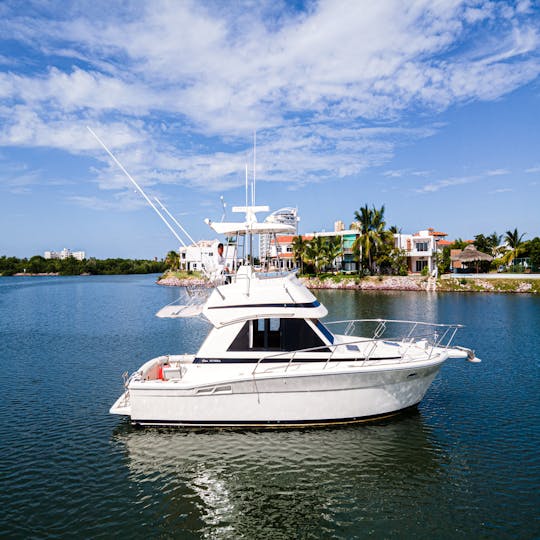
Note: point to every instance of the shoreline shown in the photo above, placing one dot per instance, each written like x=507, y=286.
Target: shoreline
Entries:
x=448, y=283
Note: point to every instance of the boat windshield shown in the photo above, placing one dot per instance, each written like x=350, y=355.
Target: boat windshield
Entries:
x=276, y=334
x=326, y=333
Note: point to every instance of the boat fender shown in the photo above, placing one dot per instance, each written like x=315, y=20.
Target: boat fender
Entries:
x=160, y=372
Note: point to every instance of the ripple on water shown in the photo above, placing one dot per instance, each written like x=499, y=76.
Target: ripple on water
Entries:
x=465, y=464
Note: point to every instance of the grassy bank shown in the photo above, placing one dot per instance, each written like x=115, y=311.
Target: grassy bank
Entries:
x=521, y=285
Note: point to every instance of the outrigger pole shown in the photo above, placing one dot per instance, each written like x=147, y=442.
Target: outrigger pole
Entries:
x=141, y=191
x=175, y=221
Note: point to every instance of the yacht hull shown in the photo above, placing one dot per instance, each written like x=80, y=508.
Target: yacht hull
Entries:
x=302, y=397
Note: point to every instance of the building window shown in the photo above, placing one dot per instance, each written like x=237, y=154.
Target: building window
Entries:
x=420, y=265
x=421, y=246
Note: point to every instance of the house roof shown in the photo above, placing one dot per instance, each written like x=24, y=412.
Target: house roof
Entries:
x=471, y=254
x=288, y=239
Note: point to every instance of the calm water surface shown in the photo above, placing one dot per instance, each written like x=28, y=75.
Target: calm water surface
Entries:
x=464, y=465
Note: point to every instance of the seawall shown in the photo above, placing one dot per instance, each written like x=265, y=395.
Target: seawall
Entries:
x=396, y=283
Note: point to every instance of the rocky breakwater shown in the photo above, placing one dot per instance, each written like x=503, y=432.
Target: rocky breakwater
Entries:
x=173, y=281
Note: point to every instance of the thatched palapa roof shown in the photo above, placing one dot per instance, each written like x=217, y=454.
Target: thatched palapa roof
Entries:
x=471, y=254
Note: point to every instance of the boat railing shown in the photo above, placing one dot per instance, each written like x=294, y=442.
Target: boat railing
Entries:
x=224, y=278
x=433, y=336
x=443, y=334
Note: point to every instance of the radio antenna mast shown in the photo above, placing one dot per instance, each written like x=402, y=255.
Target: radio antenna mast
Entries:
x=254, y=168
x=224, y=206
x=247, y=189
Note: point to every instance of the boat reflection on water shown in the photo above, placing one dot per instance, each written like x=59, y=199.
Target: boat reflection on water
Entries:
x=292, y=482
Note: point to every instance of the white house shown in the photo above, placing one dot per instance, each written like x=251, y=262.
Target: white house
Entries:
x=203, y=254
x=421, y=248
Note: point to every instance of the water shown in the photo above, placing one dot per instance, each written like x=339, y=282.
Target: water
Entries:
x=465, y=464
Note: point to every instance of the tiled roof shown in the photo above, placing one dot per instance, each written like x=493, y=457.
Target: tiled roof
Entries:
x=288, y=239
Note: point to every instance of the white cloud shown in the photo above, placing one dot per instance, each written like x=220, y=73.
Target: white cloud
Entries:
x=496, y=172
x=310, y=82
x=432, y=187
x=406, y=172
x=123, y=201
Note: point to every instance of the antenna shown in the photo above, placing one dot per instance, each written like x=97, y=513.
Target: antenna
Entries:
x=254, y=168
x=224, y=205
x=246, y=185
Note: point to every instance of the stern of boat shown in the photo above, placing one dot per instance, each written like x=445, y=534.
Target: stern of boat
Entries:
x=122, y=405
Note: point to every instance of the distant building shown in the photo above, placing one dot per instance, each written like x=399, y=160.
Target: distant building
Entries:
x=281, y=255
x=288, y=216
x=65, y=254
x=347, y=262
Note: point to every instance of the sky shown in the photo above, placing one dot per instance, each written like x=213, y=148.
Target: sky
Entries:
x=428, y=107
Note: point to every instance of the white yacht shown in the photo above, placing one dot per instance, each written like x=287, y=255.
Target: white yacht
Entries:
x=270, y=360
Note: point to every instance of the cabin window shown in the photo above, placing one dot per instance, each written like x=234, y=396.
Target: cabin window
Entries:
x=278, y=335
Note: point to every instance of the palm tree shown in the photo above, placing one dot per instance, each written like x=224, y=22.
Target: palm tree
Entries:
x=495, y=240
x=299, y=251
x=371, y=224
x=316, y=252
x=514, y=241
x=172, y=260
x=333, y=249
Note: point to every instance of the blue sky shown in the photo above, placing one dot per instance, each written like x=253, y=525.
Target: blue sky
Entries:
x=431, y=108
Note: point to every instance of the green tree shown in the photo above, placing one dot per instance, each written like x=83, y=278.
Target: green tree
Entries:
x=459, y=244
x=37, y=265
x=534, y=253
x=333, y=249
x=514, y=241
x=488, y=244
x=172, y=260
x=371, y=226
x=316, y=252
x=299, y=251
